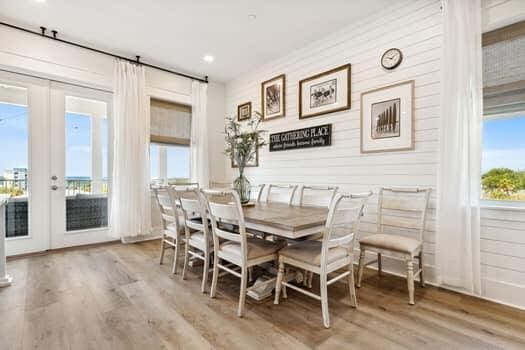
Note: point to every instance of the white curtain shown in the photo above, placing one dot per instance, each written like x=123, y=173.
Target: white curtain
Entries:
x=130, y=214
x=199, y=134
x=458, y=241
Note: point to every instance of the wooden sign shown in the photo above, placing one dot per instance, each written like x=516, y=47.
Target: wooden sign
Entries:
x=315, y=136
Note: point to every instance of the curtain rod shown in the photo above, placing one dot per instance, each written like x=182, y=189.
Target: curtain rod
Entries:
x=136, y=61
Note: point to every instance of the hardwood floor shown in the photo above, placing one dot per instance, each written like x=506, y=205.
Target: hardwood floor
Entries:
x=119, y=297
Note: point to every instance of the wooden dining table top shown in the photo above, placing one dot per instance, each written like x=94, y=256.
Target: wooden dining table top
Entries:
x=291, y=221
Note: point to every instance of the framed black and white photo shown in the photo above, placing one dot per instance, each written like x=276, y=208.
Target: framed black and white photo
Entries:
x=244, y=111
x=326, y=92
x=273, y=97
x=387, y=118
x=254, y=162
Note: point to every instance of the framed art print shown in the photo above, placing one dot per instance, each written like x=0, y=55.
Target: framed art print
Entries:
x=244, y=111
x=387, y=118
x=325, y=92
x=273, y=98
x=254, y=162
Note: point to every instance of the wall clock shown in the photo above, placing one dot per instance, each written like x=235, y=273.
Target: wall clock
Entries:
x=391, y=58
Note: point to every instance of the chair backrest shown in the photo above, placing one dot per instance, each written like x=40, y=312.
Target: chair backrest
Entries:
x=403, y=208
x=186, y=186
x=193, y=206
x=220, y=185
x=342, y=223
x=280, y=193
x=317, y=196
x=257, y=192
x=167, y=202
x=224, y=206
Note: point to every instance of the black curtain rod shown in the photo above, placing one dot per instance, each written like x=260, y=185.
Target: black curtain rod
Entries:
x=136, y=61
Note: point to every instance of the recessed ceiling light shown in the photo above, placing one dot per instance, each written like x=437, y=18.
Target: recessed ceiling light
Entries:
x=208, y=58
x=252, y=16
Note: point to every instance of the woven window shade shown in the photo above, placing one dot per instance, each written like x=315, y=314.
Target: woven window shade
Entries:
x=170, y=123
x=504, y=70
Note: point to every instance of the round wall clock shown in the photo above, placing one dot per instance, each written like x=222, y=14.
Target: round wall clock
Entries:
x=391, y=58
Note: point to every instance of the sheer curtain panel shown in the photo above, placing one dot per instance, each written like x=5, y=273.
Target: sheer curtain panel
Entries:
x=199, y=134
x=458, y=238
x=130, y=215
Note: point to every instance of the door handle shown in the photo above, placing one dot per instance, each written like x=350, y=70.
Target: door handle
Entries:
x=54, y=178
x=54, y=187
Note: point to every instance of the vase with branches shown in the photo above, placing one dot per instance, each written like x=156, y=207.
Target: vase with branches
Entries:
x=242, y=144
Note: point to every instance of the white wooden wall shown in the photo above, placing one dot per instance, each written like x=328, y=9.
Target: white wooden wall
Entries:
x=416, y=28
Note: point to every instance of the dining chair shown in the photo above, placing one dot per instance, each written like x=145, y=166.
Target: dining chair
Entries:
x=237, y=247
x=197, y=231
x=172, y=228
x=334, y=252
x=398, y=208
x=257, y=192
x=280, y=193
x=318, y=197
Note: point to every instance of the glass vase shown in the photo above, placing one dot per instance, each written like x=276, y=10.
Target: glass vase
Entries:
x=243, y=188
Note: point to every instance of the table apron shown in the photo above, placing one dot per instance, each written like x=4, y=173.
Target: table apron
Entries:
x=283, y=232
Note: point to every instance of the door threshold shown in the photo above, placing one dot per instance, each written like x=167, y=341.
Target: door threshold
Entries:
x=59, y=250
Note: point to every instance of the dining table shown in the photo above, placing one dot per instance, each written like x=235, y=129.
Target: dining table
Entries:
x=283, y=221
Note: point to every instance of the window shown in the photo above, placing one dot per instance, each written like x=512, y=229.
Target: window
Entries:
x=503, y=161
x=170, y=142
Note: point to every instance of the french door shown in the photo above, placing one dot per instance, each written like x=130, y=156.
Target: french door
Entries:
x=54, y=163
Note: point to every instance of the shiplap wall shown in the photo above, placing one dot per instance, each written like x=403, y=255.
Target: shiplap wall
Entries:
x=416, y=28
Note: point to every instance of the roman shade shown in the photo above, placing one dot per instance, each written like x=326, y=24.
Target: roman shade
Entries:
x=170, y=123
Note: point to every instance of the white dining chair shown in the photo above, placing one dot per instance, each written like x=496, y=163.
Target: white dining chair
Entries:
x=172, y=228
x=235, y=247
x=318, y=197
x=334, y=252
x=398, y=209
x=280, y=193
x=197, y=232
x=257, y=192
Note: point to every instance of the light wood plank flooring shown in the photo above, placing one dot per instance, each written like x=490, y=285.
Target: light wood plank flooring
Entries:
x=118, y=297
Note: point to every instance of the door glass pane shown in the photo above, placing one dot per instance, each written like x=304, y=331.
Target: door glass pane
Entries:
x=86, y=164
x=14, y=137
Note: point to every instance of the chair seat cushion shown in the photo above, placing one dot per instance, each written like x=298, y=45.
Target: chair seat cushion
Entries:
x=197, y=240
x=310, y=252
x=391, y=242
x=256, y=248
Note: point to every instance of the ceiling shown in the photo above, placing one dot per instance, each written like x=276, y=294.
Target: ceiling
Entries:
x=177, y=34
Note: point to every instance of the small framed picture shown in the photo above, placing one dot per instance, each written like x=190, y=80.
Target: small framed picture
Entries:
x=244, y=111
x=254, y=162
x=387, y=118
x=325, y=92
x=273, y=99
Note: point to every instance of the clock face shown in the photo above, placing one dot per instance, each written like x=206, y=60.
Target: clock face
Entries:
x=391, y=58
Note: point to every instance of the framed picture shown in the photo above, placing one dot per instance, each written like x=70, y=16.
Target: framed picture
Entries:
x=244, y=111
x=273, y=99
x=254, y=162
x=387, y=118
x=325, y=92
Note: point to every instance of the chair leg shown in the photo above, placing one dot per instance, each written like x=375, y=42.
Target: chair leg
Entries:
x=410, y=280
x=351, y=285
x=186, y=259
x=250, y=273
x=324, y=300
x=310, y=277
x=285, y=294
x=278, y=282
x=361, y=267
x=421, y=266
x=379, y=264
x=305, y=274
x=242, y=296
x=205, y=268
x=162, y=250
x=215, y=276
x=176, y=256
